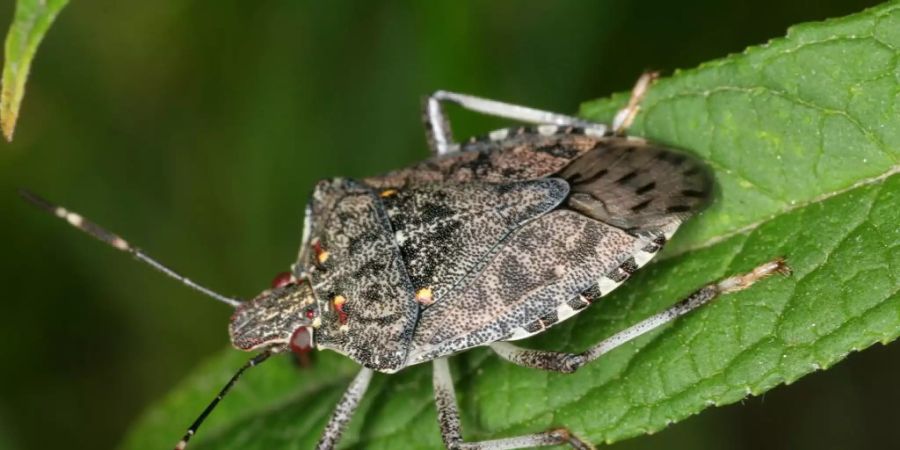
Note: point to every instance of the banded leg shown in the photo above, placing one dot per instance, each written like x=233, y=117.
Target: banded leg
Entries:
x=625, y=116
x=437, y=127
x=569, y=362
x=448, y=418
x=344, y=410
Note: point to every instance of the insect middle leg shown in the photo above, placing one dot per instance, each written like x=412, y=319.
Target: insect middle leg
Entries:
x=569, y=362
x=437, y=126
x=451, y=433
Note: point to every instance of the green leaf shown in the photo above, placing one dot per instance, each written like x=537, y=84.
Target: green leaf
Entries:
x=803, y=134
x=30, y=24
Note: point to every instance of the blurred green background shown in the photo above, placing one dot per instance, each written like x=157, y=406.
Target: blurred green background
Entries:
x=196, y=130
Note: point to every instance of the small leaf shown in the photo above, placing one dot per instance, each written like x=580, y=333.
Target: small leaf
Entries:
x=803, y=135
x=30, y=24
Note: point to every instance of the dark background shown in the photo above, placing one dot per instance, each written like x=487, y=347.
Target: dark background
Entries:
x=196, y=130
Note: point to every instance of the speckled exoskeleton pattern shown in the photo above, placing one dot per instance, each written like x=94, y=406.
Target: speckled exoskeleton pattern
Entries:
x=501, y=240
x=458, y=225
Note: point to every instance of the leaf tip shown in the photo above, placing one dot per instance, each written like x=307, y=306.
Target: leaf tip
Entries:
x=9, y=109
x=8, y=125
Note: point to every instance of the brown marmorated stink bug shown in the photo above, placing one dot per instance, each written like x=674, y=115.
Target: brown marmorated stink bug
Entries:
x=487, y=242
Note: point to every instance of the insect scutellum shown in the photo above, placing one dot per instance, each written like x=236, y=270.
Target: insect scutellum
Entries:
x=489, y=241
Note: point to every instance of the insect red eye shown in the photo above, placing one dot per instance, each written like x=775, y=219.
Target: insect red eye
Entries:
x=301, y=341
x=282, y=279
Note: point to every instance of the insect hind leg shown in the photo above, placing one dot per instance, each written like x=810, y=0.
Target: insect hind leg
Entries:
x=625, y=116
x=437, y=126
x=569, y=362
x=440, y=137
x=448, y=418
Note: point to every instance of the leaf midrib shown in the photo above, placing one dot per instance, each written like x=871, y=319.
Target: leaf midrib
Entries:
x=790, y=208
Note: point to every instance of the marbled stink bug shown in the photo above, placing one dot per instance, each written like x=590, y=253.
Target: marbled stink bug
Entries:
x=489, y=241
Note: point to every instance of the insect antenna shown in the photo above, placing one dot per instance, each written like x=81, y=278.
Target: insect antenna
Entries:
x=192, y=430
x=91, y=228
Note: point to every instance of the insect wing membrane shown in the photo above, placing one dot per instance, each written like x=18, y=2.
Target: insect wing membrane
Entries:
x=637, y=186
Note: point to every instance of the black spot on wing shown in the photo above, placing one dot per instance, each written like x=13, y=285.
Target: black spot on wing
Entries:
x=641, y=205
x=636, y=186
x=693, y=193
x=678, y=208
x=645, y=188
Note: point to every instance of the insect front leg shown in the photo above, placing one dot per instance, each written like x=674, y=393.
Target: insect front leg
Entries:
x=344, y=410
x=437, y=126
x=448, y=418
x=569, y=362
